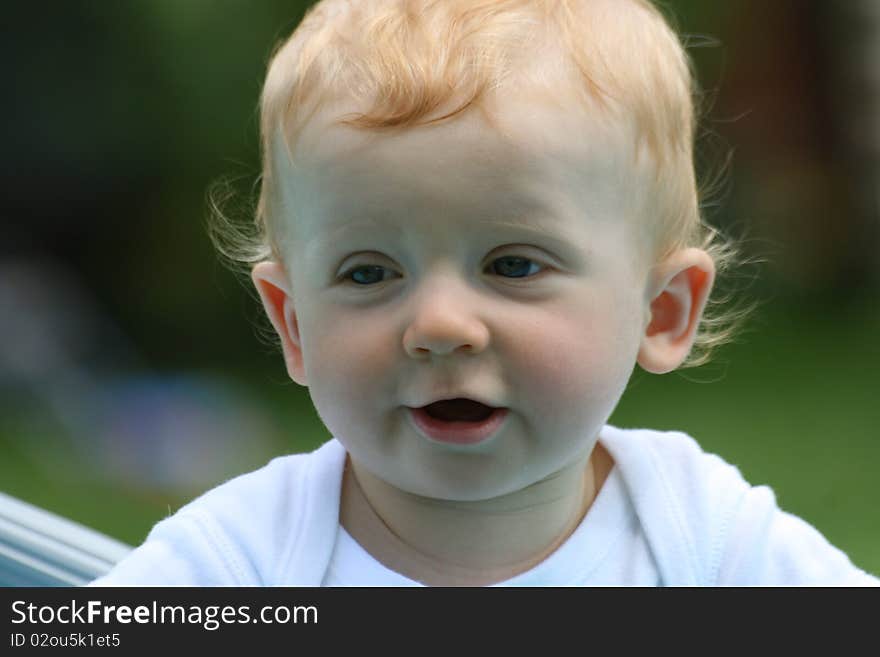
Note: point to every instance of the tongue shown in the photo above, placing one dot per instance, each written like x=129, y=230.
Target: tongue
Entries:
x=459, y=410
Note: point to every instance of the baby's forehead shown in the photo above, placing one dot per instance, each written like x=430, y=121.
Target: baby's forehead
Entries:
x=508, y=132
x=522, y=159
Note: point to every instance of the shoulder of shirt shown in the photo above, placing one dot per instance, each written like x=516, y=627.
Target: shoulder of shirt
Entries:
x=686, y=499
x=247, y=526
x=710, y=524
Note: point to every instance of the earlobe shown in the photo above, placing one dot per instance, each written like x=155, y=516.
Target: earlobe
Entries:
x=681, y=288
x=273, y=287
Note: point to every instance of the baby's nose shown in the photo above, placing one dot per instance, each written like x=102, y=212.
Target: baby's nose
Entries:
x=443, y=325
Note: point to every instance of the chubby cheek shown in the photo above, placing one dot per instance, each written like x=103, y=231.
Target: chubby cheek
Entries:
x=576, y=365
x=346, y=363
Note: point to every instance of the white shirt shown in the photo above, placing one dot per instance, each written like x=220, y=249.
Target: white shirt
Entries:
x=668, y=514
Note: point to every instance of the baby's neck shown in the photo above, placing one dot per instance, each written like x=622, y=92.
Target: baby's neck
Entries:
x=469, y=543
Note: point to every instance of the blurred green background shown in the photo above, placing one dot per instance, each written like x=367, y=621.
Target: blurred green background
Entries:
x=132, y=375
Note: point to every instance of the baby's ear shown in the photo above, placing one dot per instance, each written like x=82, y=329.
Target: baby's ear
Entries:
x=273, y=287
x=680, y=287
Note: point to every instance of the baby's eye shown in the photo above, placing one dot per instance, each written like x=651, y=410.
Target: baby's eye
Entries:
x=514, y=267
x=367, y=274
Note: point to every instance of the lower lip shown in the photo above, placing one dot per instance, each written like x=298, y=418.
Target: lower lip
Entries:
x=458, y=433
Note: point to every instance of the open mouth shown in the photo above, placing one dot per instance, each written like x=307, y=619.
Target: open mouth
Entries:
x=458, y=410
x=458, y=421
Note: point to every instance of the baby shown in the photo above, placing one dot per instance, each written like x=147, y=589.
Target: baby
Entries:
x=476, y=218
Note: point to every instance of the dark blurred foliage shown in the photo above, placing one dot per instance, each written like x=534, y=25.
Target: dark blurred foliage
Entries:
x=118, y=116
x=806, y=89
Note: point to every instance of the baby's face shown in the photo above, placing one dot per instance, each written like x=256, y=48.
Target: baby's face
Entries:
x=452, y=262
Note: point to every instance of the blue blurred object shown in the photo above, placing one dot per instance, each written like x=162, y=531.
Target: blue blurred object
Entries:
x=38, y=548
x=179, y=432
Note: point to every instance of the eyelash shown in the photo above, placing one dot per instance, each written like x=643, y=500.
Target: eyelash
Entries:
x=346, y=277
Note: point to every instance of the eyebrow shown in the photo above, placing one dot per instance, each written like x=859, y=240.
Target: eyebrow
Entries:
x=360, y=226
x=527, y=228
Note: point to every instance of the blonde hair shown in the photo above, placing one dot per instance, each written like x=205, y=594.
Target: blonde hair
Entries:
x=405, y=61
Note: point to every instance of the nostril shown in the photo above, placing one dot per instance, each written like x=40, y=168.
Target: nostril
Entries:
x=428, y=350
x=445, y=336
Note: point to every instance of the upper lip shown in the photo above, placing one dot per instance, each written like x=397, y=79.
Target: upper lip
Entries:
x=463, y=395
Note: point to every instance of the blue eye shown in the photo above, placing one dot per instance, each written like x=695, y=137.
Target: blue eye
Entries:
x=514, y=267
x=366, y=274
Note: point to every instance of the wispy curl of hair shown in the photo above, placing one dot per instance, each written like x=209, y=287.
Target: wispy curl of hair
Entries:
x=416, y=62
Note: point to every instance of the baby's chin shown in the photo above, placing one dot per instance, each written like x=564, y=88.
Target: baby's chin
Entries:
x=486, y=483
x=513, y=462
